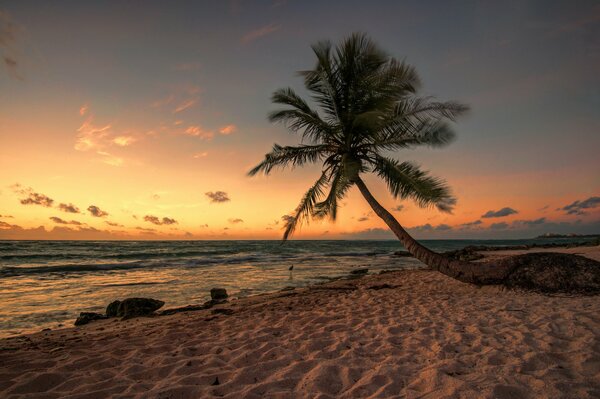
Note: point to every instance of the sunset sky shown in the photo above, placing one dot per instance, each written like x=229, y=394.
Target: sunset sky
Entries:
x=141, y=119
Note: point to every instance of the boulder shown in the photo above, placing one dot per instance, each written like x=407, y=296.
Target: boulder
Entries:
x=112, y=309
x=134, y=307
x=217, y=294
x=86, y=317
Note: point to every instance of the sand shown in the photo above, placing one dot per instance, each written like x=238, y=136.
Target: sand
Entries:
x=410, y=334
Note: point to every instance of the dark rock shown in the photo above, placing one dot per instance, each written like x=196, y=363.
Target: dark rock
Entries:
x=134, y=307
x=86, y=317
x=359, y=271
x=223, y=311
x=216, y=382
x=466, y=254
x=112, y=309
x=188, y=308
x=218, y=293
x=403, y=254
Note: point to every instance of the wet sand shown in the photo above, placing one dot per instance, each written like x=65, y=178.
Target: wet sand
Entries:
x=409, y=334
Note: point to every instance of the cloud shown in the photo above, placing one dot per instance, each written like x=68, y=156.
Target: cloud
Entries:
x=124, y=141
x=33, y=198
x=97, y=212
x=217, y=196
x=577, y=207
x=158, y=221
x=62, y=221
x=113, y=224
x=198, y=131
x=398, y=208
x=83, y=109
x=199, y=155
x=469, y=225
x=7, y=216
x=362, y=219
x=499, y=226
x=443, y=227
x=236, y=221
x=260, y=32
x=185, y=105
x=69, y=208
x=228, y=129
x=500, y=213
x=529, y=223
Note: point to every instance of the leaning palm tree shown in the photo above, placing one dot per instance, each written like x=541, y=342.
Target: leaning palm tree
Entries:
x=368, y=109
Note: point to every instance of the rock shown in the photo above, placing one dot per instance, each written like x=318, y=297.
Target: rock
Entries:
x=403, y=254
x=112, y=309
x=359, y=271
x=134, y=307
x=216, y=381
x=218, y=294
x=380, y=287
x=466, y=254
x=86, y=317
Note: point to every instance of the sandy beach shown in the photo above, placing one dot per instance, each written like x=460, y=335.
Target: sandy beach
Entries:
x=410, y=334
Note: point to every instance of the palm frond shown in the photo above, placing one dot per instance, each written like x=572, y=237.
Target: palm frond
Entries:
x=435, y=135
x=406, y=180
x=328, y=207
x=290, y=156
x=306, y=206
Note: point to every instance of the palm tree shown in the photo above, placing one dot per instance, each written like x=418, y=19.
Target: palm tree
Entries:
x=368, y=107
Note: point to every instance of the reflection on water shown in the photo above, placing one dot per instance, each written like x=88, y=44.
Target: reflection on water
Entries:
x=47, y=283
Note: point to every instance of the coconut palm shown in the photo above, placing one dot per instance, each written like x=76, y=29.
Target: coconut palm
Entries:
x=368, y=109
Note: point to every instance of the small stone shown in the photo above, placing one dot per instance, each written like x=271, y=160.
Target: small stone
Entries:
x=134, y=307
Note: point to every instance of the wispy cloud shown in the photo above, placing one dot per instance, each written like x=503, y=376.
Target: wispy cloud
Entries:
x=260, y=32
x=500, y=213
x=236, y=221
x=124, y=141
x=113, y=224
x=69, y=208
x=185, y=105
x=217, y=196
x=499, y=226
x=228, y=129
x=8, y=48
x=32, y=197
x=199, y=155
x=97, y=212
x=198, y=131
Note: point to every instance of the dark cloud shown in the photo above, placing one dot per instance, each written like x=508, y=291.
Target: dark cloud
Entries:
x=469, y=225
x=217, y=196
x=158, y=221
x=7, y=216
x=529, y=223
x=113, y=224
x=62, y=221
x=422, y=228
x=443, y=227
x=499, y=226
x=37, y=199
x=500, y=213
x=145, y=230
x=236, y=221
x=69, y=208
x=577, y=207
x=7, y=226
x=97, y=212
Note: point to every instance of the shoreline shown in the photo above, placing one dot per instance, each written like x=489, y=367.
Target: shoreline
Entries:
x=408, y=333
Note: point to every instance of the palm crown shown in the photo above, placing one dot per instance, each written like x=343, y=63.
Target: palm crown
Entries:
x=367, y=107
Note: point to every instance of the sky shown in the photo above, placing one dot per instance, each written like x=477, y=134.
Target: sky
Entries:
x=140, y=120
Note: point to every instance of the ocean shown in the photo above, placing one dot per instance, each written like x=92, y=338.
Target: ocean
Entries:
x=45, y=284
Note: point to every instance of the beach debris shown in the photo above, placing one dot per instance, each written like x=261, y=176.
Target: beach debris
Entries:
x=216, y=382
x=86, y=317
x=359, y=271
x=291, y=268
x=217, y=294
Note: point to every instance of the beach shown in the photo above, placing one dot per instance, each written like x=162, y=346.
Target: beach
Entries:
x=411, y=334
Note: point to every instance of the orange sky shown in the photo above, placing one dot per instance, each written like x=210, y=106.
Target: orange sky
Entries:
x=143, y=128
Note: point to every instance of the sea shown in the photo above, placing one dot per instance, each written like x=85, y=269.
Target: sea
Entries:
x=45, y=284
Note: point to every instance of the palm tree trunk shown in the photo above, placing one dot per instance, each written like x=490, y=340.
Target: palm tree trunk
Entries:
x=477, y=273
